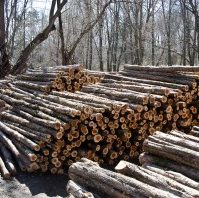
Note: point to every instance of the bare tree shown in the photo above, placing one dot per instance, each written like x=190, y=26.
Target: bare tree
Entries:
x=5, y=65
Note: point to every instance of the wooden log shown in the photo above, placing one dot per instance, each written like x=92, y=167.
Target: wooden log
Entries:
x=14, y=89
x=27, y=123
x=169, y=69
x=179, y=141
x=46, y=79
x=32, y=86
x=29, y=143
x=194, y=133
x=26, y=131
x=170, y=165
x=12, y=148
x=136, y=98
x=184, y=136
x=170, y=151
x=79, y=106
x=25, y=151
x=46, y=123
x=184, y=76
x=7, y=158
x=159, y=78
x=128, y=82
x=61, y=109
x=155, y=179
x=140, y=88
x=64, y=68
x=47, y=109
x=183, y=87
x=77, y=191
x=5, y=173
x=89, y=98
x=97, y=108
x=173, y=175
x=128, y=186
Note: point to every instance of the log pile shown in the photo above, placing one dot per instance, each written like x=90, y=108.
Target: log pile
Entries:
x=60, y=78
x=48, y=132
x=169, y=169
x=130, y=180
x=183, y=79
x=104, y=122
x=167, y=100
x=175, y=151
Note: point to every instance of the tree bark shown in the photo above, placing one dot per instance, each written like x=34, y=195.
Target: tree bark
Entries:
x=5, y=65
x=171, y=151
x=112, y=182
x=190, y=172
x=155, y=179
x=77, y=191
x=173, y=175
x=61, y=34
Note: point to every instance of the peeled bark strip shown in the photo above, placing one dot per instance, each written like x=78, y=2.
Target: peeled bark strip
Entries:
x=77, y=191
x=155, y=179
x=128, y=186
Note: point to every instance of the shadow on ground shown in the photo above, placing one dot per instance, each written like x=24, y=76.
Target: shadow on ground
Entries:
x=35, y=185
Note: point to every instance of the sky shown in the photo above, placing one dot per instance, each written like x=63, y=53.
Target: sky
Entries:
x=42, y=5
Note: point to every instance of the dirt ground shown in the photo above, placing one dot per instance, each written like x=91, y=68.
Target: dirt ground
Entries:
x=35, y=185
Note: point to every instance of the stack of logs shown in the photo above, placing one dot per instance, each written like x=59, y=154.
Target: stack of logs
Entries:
x=105, y=122
x=179, y=79
x=163, y=98
x=170, y=168
x=59, y=78
x=50, y=132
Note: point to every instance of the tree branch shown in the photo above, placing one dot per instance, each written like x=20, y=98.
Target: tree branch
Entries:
x=89, y=27
x=21, y=65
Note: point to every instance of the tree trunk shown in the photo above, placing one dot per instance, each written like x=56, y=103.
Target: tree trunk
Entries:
x=77, y=191
x=21, y=64
x=155, y=179
x=5, y=65
x=61, y=34
x=110, y=184
x=153, y=36
x=170, y=165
